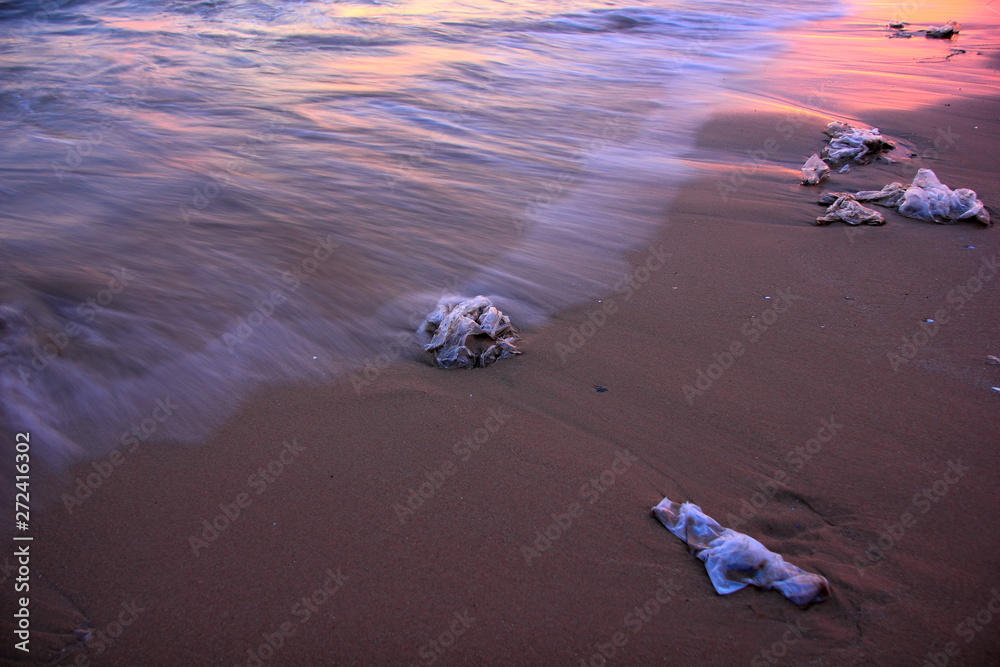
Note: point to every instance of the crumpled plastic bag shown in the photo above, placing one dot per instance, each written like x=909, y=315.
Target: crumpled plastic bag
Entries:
x=947, y=31
x=889, y=196
x=465, y=333
x=847, y=145
x=926, y=198
x=846, y=208
x=814, y=170
x=735, y=560
x=852, y=144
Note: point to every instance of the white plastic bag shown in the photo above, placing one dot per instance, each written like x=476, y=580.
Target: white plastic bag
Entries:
x=465, y=333
x=735, y=560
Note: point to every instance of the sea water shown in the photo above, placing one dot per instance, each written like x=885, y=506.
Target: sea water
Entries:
x=199, y=197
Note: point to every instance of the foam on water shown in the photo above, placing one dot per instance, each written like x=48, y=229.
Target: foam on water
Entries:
x=199, y=197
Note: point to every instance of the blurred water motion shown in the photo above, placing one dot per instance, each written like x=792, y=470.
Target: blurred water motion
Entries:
x=200, y=196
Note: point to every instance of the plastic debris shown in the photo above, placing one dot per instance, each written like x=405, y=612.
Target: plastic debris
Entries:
x=929, y=199
x=890, y=196
x=735, y=560
x=899, y=30
x=947, y=31
x=926, y=198
x=814, y=170
x=847, y=145
x=852, y=144
x=465, y=333
x=845, y=208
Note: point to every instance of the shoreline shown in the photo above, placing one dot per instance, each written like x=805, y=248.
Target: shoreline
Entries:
x=534, y=537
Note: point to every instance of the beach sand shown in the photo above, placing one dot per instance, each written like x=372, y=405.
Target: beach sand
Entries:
x=532, y=542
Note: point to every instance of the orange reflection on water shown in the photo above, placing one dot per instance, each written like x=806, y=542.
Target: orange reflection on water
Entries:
x=415, y=59
x=856, y=63
x=921, y=13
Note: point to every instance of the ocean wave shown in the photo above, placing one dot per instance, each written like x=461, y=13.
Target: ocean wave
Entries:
x=202, y=197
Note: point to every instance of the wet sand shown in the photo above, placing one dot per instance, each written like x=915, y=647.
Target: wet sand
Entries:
x=501, y=516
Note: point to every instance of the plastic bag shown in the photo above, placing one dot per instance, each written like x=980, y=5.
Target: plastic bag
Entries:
x=735, y=560
x=845, y=208
x=947, y=31
x=814, y=170
x=465, y=333
x=926, y=198
x=852, y=144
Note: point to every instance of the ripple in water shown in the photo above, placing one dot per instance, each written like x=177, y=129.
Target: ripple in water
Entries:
x=199, y=197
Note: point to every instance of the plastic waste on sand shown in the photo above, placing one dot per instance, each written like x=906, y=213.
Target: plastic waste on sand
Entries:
x=847, y=145
x=853, y=144
x=814, y=170
x=846, y=208
x=465, y=333
x=946, y=31
x=926, y=198
x=735, y=560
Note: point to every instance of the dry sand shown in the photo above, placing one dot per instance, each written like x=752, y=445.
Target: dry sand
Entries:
x=529, y=447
